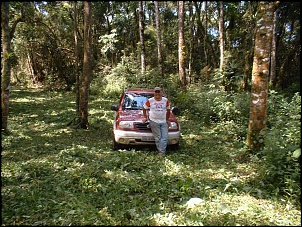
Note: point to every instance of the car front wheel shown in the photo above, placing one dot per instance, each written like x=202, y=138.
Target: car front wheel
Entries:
x=116, y=145
x=174, y=147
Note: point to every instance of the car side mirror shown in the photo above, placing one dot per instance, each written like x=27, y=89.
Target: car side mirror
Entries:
x=175, y=110
x=114, y=107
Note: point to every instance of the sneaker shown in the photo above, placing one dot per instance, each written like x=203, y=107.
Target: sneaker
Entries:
x=160, y=154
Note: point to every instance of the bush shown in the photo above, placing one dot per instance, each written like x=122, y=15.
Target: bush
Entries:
x=211, y=105
x=281, y=153
x=232, y=107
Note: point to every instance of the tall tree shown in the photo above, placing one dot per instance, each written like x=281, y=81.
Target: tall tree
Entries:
x=87, y=70
x=141, y=35
x=260, y=75
x=159, y=44
x=191, y=41
x=181, y=46
x=221, y=35
x=7, y=55
x=76, y=57
x=272, y=79
x=6, y=67
x=249, y=42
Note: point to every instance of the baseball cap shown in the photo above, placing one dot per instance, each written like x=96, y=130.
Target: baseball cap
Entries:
x=157, y=89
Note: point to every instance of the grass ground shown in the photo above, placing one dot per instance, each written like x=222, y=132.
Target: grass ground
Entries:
x=53, y=174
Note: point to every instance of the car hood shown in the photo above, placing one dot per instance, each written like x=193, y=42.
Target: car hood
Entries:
x=131, y=115
x=136, y=115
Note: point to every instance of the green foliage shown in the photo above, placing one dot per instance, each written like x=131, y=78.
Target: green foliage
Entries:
x=128, y=75
x=108, y=42
x=281, y=156
x=63, y=176
x=211, y=105
x=230, y=81
x=170, y=84
x=229, y=114
x=13, y=59
x=231, y=107
x=112, y=81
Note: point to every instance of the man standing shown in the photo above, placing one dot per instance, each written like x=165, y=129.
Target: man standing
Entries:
x=159, y=113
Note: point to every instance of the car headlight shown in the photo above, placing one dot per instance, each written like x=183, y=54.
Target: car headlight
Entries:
x=126, y=124
x=173, y=125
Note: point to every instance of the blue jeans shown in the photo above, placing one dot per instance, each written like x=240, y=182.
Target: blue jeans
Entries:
x=160, y=133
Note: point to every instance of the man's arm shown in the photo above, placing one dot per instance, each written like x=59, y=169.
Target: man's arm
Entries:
x=168, y=114
x=145, y=115
x=167, y=117
x=146, y=105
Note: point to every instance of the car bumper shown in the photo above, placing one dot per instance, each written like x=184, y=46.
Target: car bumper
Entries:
x=142, y=138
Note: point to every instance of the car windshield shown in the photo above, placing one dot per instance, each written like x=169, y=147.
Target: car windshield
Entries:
x=135, y=101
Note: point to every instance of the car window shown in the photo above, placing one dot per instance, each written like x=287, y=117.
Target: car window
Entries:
x=135, y=101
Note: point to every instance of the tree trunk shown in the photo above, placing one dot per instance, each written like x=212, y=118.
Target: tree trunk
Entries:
x=76, y=58
x=6, y=66
x=86, y=78
x=141, y=35
x=260, y=74
x=181, y=46
x=192, y=27
x=272, y=80
x=159, y=45
x=221, y=36
x=209, y=51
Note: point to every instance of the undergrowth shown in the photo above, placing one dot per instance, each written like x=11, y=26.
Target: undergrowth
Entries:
x=52, y=174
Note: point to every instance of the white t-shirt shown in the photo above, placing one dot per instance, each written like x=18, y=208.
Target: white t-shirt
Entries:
x=157, y=109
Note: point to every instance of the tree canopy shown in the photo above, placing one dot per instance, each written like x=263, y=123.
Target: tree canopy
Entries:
x=43, y=42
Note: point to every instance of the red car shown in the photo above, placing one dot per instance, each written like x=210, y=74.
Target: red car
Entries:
x=128, y=128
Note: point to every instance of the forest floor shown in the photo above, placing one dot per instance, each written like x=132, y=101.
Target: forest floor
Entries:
x=54, y=174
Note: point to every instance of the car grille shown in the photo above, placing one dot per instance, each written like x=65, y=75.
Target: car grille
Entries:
x=142, y=127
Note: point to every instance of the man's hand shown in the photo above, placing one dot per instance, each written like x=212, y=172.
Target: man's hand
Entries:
x=168, y=123
x=144, y=120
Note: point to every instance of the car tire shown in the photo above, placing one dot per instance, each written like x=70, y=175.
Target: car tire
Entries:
x=116, y=145
x=174, y=147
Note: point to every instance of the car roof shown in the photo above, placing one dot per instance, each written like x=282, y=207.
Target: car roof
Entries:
x=143, y=90
x=140, y=90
